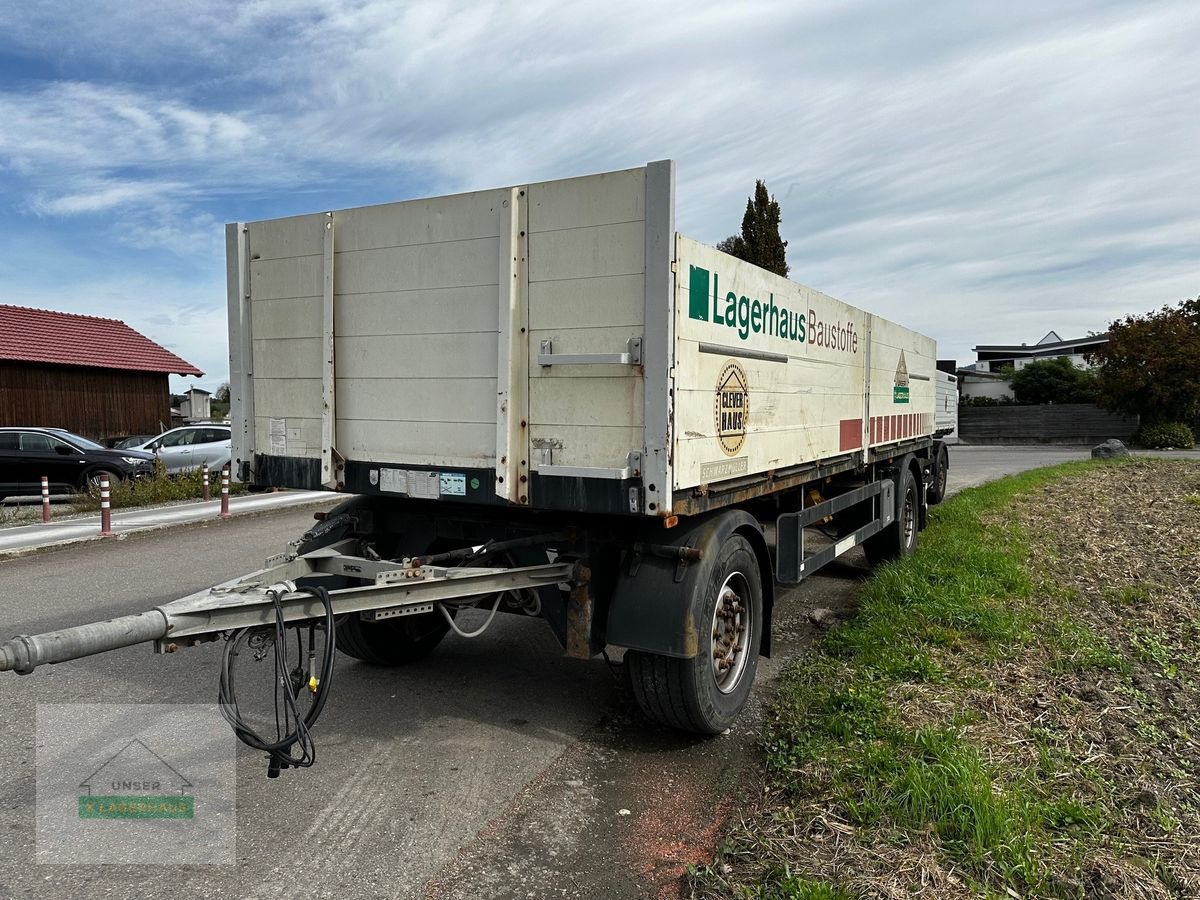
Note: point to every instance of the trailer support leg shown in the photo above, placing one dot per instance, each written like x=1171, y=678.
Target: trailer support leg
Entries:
x=580, y=610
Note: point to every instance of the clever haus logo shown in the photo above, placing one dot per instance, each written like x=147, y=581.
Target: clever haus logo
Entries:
x=731, y=408
x=136, y=783
x=745, y=315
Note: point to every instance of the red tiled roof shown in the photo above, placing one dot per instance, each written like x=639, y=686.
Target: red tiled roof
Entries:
x=67, y=339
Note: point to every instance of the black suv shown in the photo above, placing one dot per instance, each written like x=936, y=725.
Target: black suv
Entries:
x=70, y=462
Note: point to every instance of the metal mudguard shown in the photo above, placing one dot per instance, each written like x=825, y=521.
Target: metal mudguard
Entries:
x=656, y=596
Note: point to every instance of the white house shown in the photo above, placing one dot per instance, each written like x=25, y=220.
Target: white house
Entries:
x=983, y=379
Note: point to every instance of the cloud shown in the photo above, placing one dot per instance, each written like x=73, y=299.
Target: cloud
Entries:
x=100, y=195
x=983, y=173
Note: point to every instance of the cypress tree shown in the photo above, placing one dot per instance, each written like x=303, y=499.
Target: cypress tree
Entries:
x=759, y=242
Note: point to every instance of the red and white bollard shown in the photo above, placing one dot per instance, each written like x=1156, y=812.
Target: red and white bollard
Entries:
x=105, y=510
x=204, y=470
x=225, y=493
x=45, y=500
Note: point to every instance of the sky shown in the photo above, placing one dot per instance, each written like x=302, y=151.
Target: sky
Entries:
x=982, y=172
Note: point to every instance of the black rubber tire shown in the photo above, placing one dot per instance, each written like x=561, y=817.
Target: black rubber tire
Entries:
x=392, y=642
x=941, y=469
x=900, y=538
x=683, y=693
x=92, y=479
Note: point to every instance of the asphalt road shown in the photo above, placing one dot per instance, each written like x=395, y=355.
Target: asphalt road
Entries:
x=496, y=768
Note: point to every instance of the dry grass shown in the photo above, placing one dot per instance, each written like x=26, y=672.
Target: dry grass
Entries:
x=1014, y=712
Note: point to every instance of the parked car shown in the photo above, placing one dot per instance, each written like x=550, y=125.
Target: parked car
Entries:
x=122, y=442
x=190, y=446
x=69, y=461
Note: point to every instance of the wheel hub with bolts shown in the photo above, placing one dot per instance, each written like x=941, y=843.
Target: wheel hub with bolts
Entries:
x=730, y=632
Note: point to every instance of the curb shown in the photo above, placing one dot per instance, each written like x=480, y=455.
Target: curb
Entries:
x=53, y=546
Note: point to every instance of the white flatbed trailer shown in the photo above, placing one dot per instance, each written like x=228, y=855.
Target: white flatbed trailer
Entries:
x=545, y=400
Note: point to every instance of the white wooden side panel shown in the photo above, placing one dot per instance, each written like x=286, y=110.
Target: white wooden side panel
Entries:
x=590, y=252
x=416, y=312
x=600, y=401
x=283, y=279
x=898, y=413
x=286, y=285
x=280, y=239
x=587, y=296
x=759, y=382
x=459, y=217
x=609, y=198
x=285, y=397
x=416, y=323
x=600, y=302
x=449, y=400
x=414, y=358
x=293, y=317
x=417, y=443
x=287, y=357
x=448, y=264
x=296, y=436
x=605, y=442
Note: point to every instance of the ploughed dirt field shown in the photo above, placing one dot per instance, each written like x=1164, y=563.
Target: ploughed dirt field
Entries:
x=1012, y=712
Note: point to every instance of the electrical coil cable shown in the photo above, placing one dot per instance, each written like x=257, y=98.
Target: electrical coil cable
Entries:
x=293, y=730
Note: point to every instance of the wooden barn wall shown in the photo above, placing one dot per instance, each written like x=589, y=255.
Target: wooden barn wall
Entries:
x=96, y=403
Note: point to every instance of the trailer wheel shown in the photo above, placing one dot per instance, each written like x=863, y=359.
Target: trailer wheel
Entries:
x=705, y=694
x=392, y=642
x=941, y=468
x=900, y=538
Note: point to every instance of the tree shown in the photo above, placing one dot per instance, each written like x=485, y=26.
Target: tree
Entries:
x=759, y=242
x=1053, y=381
x=1151, y=364
x=222, y=394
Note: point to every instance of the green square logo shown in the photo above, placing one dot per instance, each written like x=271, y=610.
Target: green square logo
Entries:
x=698, y=293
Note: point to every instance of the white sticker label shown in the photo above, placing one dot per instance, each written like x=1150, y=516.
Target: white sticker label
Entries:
x=277, y=430
x=393, y=480
x=454, y=484
x=423, y=484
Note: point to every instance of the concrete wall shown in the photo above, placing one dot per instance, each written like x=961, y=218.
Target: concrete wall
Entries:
x=1068, y=423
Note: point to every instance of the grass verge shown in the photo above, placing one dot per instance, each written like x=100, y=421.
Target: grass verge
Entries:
x=1009, y=714
x=159, y=488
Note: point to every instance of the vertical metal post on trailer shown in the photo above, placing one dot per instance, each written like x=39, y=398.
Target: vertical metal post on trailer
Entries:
x=658, y=344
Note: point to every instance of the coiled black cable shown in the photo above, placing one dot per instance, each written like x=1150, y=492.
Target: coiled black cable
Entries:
x=293, y=730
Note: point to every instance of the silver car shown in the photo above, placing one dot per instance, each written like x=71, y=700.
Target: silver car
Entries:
x=190, y=446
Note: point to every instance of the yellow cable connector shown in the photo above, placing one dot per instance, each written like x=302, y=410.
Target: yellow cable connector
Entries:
x=312, y=683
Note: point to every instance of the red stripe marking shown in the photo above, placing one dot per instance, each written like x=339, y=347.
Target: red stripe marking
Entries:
x=850, y=437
